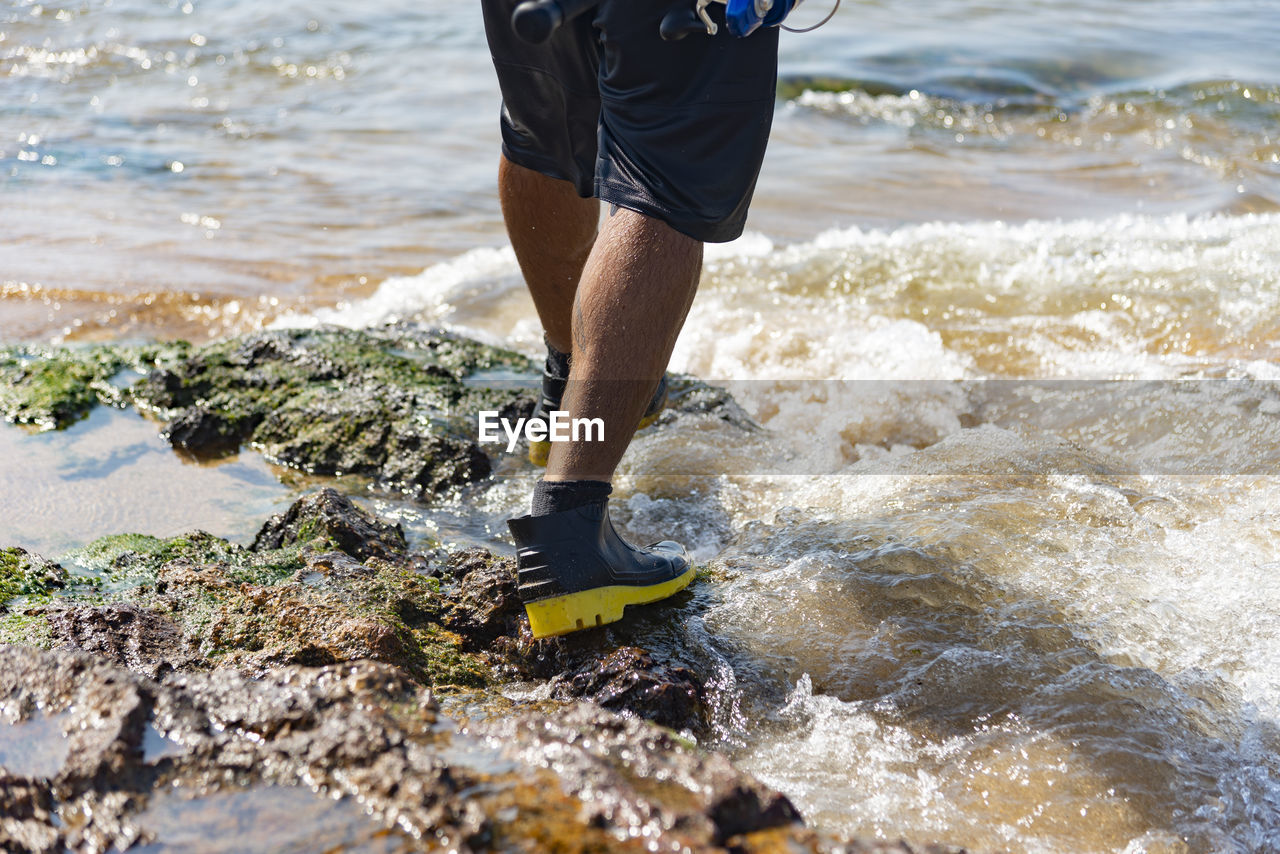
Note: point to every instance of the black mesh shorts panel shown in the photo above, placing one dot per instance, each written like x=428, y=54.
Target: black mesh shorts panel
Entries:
x=673, y=130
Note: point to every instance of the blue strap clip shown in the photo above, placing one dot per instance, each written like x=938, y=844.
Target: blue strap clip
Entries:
x=743, y=17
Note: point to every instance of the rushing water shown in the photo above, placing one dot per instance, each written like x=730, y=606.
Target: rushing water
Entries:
x=949, y=603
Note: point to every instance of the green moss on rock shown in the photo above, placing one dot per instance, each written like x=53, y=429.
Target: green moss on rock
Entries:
x=26, y=627
x=324, y=582
x=53, y=389
x=332, y=610
x=397, y=406
x=122, y=557
x=25, y=574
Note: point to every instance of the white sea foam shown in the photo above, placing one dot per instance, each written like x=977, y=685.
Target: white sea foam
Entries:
x=1125, y=296
x=987, y=660
x=438, y=295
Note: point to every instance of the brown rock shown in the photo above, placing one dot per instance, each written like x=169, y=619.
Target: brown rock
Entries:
x=630, y=679
x=584, y=780
x=328, y=513
x=137, y=638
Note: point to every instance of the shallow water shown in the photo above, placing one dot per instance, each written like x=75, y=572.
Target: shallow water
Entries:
x=196, y=167
x=950, y=603
x=113, y=474
x=266, y=818
x=35, y=747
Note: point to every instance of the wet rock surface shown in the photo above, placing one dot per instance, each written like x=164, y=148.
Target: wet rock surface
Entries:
x=582, y=780
x=331, y=515
x=138, y=638
x=690, y=395
x=631, y=679
x=325, y=583
x=485, y=610
x=395, y=406
x=163, y=677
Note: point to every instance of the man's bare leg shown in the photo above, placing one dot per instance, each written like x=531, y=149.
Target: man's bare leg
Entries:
x=552, y=230
x=632, y=300
x=573, y=569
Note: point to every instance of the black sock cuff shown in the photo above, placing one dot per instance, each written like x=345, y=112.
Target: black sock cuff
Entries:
x=556, y=496
x=557, y=365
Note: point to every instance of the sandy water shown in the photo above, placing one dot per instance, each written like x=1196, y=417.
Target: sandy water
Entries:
x=951, y=603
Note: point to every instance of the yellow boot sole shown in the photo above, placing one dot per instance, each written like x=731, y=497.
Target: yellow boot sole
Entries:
x=560, y=615
x=540, y=451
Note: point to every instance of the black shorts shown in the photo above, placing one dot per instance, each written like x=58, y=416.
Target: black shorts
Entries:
x=673, y=130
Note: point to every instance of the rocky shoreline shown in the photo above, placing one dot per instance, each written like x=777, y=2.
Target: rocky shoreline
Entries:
x=328, y=655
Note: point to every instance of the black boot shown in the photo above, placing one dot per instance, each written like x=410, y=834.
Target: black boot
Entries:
x=575, y=572
x=555, y=376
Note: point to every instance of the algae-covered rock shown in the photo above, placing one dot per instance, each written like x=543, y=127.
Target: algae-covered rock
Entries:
x=25, y=574
x=53, y=390
x=132, y=557
x=325, y=583
x=329, y=515
x=398, y=406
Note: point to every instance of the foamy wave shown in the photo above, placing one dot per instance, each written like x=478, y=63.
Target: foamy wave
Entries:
x=1126, y=296
x=436, y=295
